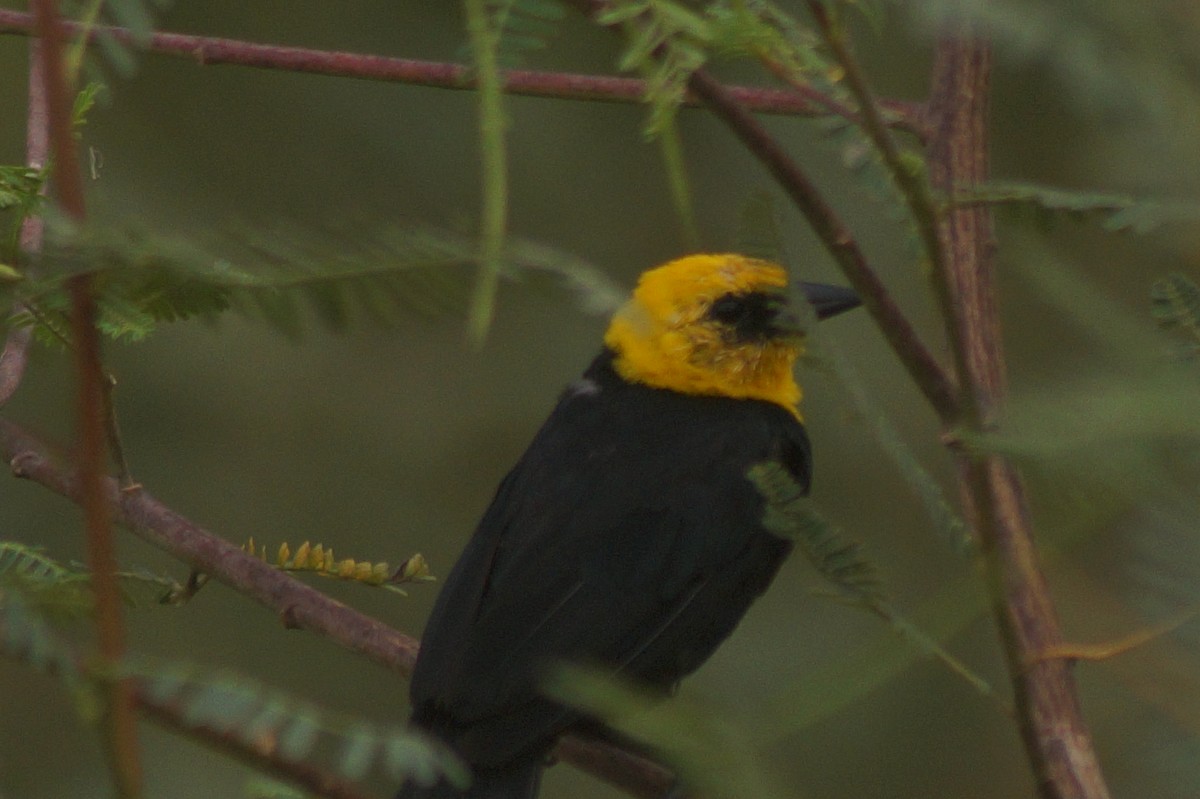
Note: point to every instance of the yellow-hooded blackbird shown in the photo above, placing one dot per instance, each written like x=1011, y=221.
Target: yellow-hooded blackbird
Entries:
x=628, y=536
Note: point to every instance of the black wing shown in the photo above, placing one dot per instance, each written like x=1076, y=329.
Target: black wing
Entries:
x=627, y=536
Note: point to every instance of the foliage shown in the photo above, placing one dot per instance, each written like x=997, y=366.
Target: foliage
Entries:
x=1175, y=304
x=789, y=514
x=37, y=594
x=118, y=54
x=250, y=712
x=523, y=27
x=61, y=592
x=1107, y=55
x=1116, y=213
x=707, y=746
x=143, y=279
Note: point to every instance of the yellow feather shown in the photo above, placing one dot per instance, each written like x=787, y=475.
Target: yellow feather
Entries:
x=664, y=338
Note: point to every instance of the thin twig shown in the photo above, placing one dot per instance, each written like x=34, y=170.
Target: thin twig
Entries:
x=835, y=235
x=37, y=148
x=912, y=182
x=532, y=83
x=121, y=738
x=298, y=605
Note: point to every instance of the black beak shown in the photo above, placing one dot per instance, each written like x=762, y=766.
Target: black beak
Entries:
x=830, y=300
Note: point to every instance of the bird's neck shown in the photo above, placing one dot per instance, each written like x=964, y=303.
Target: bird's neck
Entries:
x=674, y=362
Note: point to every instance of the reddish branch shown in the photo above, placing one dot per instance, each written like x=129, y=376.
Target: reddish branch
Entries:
x=121, y=738
x=835, y=235
x=37, y=145
x=561, y=85
x=298, y=605
x=1055, y=733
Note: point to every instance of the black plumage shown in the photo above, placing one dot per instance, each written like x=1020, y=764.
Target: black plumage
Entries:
x=628, y=536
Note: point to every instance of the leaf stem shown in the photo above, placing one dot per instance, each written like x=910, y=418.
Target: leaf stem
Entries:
x=298, y=605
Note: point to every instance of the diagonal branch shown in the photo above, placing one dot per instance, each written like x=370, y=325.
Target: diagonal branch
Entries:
x=207, y=50
x=298, y=605
x=835, y=235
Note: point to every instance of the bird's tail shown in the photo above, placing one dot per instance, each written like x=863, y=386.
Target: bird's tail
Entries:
x=518, y=780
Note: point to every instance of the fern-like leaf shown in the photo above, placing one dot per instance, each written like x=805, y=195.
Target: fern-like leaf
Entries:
x=711, y=754
x=280, y=276
x=251, y=712
x=789, y=514
x=666, y=42
x=523, y=27
x=62, y=592
x=117, y=54
x=19, y=186
x=1175, y=303
x=56, y=591
x=1116, y=213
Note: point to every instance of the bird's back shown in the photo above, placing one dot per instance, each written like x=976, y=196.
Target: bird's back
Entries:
x=627, y=536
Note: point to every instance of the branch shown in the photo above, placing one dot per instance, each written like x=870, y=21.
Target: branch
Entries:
x=835, y=235
x=120, y=740
x=910, y=180
x=13, y=359
x=531, y=83
x=1056, y=737
x=298, y=605
x=37, y=147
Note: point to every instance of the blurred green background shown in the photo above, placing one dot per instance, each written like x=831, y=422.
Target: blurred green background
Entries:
x=382, y=442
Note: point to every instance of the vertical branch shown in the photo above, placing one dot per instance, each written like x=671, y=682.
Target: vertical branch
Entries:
x=68, y=189
x=911, y=182
x=1051, y=721
x=37, y=144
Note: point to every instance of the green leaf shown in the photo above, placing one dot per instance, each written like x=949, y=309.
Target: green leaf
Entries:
x=789, y=514
x=1175, y=304
x=85, y=100
x=362, y=743
x=712, y=755
x=299, y=737
x=20, y=186
x=1116, y=213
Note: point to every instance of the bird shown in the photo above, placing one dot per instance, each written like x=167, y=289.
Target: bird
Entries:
x=628, y=536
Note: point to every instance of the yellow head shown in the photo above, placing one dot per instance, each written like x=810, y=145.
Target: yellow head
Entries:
x=711, y=324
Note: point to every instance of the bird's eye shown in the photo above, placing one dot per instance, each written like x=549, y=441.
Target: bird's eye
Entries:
x=728, y=309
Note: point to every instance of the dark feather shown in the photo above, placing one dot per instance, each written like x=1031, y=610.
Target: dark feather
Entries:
x=627, y=536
